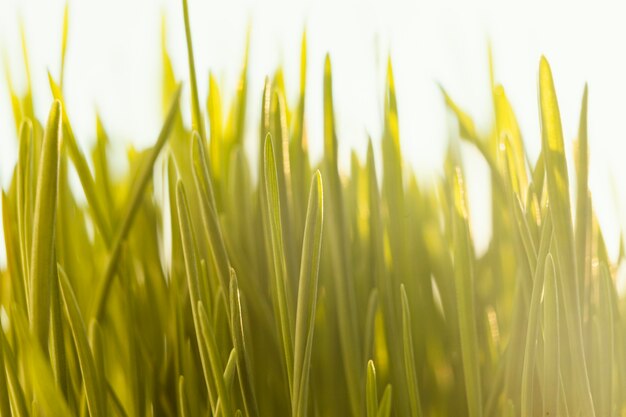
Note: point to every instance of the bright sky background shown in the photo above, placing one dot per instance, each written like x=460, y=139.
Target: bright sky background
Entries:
x=113, y=64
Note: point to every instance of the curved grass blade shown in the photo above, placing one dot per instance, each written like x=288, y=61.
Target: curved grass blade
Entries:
x=82, y=168
x=217, y=366
x=44, y=224
x=371, y=392
x=183, y=402
x=197, y=121
x=192, y=271
x=544, y=260
x=280, y=267
x=66, y=21
x=307, y=296
x=134, y=200
x=244, y=371
x=24, y=206
x=551, y=369
x=5, y=405
x=464, y=282
x=37, y=368
x=385, y=403
x=94, y=388
x=409, y=357
x=582, y=195
x=558, y=192
x=212, y=227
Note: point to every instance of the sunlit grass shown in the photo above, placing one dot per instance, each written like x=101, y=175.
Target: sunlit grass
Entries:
x=296, y=290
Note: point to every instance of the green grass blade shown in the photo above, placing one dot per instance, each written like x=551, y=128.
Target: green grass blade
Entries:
x=385, y=403
x=94, y=388
x=42, y=255
x=371, y=392
x=212, y=227
x=244, y=370
x=409, y=357
x=558, y=192
x=532, y=330
x=66, y=24
x=215, y=360
x=5, y=405
x=82, y=168
x=131, y=208
x=582, y=195
x=197, y=120
x=280, y=267
x=551, y=371
x=307, y=295
x=464, y=282
x=38, y=372
x=192, y=271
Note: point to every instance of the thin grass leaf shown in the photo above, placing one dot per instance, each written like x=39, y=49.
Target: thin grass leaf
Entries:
x=57, y=354
x=551, y=371
x=215, y=361
x=183, y=402
x=66, y=21
x=307, y=295
x=532, y=331
x=280, y=267
x=464, y=282
x=132, y=206
x=371, y=392
x=38, y=371
x=42, y=254
x=192, y=271
x=558, y=191
x=385, y=403
x=5, y=405
x=94, y=388
x=244, y=370
x=82, y=168
x=409, y=357
x=582, y=195
x=197, y=120
x=212, y=227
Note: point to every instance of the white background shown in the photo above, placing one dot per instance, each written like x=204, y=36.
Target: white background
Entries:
x=113, y=65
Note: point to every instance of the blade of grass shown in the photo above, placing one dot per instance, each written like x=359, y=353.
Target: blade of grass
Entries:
x=215, y=360
x=212, y=227
x=42, y=254
x=307, y=296
x=244, y=370
x=5, y=405
x=558, y=191
x=533, y=317
x=94, y=388
x=409, y=357
x=551, y=371
x=38, y=371
x=192, y=271
x=197, y=121
x=464, y=282
x=385, y=403
x=131, y=208
x=82, y=168
x=582, y=195
x=371, y=392
x=280, y=267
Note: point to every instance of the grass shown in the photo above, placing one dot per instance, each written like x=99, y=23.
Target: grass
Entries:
x=298, y=290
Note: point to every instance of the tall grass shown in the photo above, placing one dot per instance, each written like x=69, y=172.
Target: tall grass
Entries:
x=297, y=290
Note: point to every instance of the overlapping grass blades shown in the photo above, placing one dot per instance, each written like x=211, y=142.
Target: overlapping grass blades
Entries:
x=302, y=290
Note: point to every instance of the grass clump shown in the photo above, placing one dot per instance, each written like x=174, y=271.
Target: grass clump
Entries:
x=305, y=292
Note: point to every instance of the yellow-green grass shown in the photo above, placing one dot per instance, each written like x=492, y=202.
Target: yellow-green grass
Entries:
x=296, y=290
